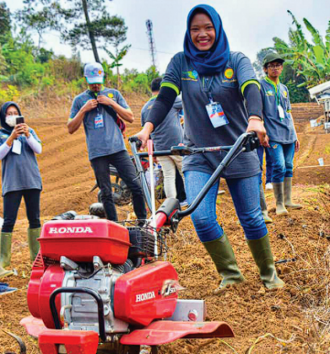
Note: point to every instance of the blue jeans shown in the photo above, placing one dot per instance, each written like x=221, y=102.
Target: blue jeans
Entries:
x=245, y=194
x=282, y=157
x=269, y=163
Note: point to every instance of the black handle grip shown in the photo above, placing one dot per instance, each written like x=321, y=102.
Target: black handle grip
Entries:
x=136, y=140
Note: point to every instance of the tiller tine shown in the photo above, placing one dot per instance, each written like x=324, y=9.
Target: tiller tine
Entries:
x=22, y=345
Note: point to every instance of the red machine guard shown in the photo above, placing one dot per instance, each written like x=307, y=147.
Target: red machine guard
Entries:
x=33, y=326
x=75, y=342
x=162, y=332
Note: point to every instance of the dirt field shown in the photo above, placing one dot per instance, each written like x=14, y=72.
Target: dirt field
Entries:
x=298, y=315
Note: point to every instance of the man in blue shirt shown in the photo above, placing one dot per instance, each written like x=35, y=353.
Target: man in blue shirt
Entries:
x=99, y=108
x=281, y=131
x=168, y=134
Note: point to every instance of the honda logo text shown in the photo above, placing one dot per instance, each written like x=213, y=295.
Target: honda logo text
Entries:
x=145, y=296
x=70, y=230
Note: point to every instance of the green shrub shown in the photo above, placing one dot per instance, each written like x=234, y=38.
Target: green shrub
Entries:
x=47, y=81
x=9, y=94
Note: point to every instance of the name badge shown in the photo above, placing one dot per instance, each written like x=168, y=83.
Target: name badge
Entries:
x=98, y=121
x=281, y=112
x=216, y=114
x=17, y=147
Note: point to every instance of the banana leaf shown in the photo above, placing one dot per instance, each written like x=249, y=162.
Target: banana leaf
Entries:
x=319, y=54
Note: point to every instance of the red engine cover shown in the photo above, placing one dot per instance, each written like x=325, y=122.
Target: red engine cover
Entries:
x=40, y=289
x=80, y=240
x=51, y=280
x=138, y=295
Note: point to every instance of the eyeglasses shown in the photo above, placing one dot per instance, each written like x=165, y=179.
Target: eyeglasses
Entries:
x=274, y=66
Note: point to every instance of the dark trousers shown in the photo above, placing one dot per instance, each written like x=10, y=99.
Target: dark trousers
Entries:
x=181, y=193
x=11, y=203
x=127, y=173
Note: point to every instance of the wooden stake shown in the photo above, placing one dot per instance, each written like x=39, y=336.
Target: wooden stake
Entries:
x=312, y=166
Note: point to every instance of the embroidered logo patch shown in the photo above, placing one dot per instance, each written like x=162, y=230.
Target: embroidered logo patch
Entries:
x=229, y=73
x=190, y=75
x=275, y=146
x=285, y=94
x=269, y=93
x=110, y=95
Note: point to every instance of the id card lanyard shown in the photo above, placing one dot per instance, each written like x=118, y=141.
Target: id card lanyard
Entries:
x=278, y=102
x=214, y=109
x=206, y=87
x=98, y=119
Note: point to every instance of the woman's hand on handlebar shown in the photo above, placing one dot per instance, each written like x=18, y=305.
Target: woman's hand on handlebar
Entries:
x=256, y=125
x=144, y=134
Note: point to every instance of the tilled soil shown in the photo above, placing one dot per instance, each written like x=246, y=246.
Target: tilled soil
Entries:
x=298, y=315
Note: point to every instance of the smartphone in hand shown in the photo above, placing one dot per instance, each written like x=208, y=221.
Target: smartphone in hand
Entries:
x=19, y=120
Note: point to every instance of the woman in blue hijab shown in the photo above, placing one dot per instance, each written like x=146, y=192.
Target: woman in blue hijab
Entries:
x=221, y=100
x=209, y=51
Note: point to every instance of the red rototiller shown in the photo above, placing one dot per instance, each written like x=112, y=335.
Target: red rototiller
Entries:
x=98, y=286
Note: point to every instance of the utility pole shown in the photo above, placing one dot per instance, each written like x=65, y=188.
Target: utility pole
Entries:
x=152, y=46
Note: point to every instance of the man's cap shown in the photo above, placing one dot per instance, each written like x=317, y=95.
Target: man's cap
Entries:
x=269, y=58
x=94, y=73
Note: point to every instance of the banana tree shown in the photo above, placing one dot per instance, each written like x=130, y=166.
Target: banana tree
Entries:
x=312, y=60
x=117, y=57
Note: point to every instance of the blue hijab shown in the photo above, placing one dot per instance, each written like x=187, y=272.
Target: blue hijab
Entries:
x=214, y=60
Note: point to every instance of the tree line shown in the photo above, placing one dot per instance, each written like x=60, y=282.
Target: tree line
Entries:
x=26, y=65
x=87, y=25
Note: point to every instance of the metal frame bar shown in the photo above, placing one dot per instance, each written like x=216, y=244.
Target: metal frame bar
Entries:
x=141, y=174
x=233, y=152
x=88, y=291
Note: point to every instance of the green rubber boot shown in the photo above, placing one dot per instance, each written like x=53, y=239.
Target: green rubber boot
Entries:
x=224, y=259
x=5, y=249
x=263, y=257
x=5, y=253
x=279, y=196
x=287, y=194
x=5, y=272
x=34, y=245
x=263, y=205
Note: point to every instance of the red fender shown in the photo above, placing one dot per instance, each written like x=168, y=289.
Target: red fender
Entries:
x=161, y=332
x=33, y=326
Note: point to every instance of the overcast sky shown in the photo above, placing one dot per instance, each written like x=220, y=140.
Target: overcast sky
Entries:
x=250, y=25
